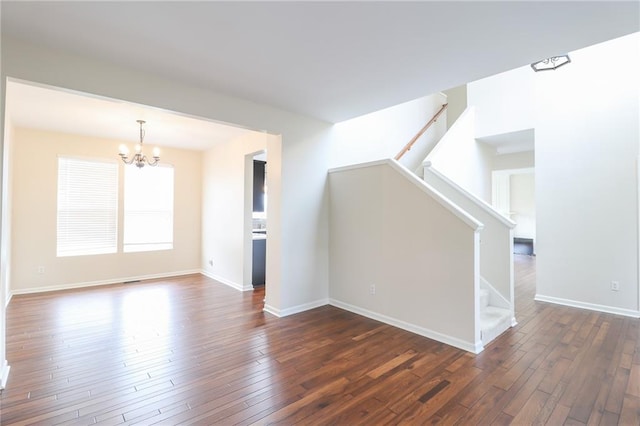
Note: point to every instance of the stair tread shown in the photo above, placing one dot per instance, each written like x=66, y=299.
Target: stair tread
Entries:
x=492, y=316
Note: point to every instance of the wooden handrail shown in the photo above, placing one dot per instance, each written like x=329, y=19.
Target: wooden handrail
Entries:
x=408, y=146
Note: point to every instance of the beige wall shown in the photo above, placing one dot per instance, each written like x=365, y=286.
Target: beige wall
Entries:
x=302, y=153
x=226, y=214
x=391, y=231
x=34, y=189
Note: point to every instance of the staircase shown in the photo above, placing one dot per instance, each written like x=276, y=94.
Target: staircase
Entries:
x=493, y=320
x=442, y=172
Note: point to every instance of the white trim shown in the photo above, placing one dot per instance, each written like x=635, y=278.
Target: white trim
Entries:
x=8, y=299
x=472, y=222
x=520, y=171
x=477, y=335
x=71, y=286
x=477, y=201
x=638, y=247
x=4, y=374
x=590, y=306
x=271, y=310
x=359, y=166
x=226, y=282
x=295, y=309
x=475, y=348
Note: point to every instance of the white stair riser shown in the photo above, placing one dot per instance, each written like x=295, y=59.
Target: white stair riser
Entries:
x=484, y=299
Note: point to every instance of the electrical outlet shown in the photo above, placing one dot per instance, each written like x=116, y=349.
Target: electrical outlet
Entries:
x=210, y=262
x=41, y=269
x=372, y=289
x=615, y=286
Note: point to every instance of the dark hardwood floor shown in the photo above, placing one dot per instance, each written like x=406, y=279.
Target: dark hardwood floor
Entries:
x=192, y=351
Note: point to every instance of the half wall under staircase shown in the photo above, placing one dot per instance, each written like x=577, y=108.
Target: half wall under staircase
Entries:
x=404, y=254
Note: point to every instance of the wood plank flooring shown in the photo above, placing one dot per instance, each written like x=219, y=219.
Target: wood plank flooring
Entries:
x=192, y=351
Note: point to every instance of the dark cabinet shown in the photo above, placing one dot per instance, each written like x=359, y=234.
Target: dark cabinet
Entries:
x=258, y=185
x=259, y=261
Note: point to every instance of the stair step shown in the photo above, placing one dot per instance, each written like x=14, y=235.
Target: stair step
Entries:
x=493, y=322
x=484, y=298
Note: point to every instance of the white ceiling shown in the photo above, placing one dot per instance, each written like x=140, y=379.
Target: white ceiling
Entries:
x=508, y=143
x=69, y=112
x=328, y=60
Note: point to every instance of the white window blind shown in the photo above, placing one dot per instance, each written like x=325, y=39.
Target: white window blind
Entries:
x=87, y=207
x=148, y=208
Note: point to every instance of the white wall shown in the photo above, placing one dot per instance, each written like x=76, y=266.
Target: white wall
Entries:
x=504, y=102
x=464, y=160
x=298, y=245
x=34, y=205
x=457, y=100
x=383, y=134
x=523, y=204
x=516, y=160
x=390, y=230
x=224, y=208
x=496, y=238
x=587, y=134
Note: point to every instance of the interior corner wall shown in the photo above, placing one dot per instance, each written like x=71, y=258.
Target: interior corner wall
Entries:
x=382, y=134
x=302, y=239
x=457, y=100
x=587, y=143
x=34, y=211
x=505, y=102
x=464, y=160
x=304, y=220
x=224, y=208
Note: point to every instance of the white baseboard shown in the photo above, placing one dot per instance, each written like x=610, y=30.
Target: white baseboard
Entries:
x=590, y=306
x=225, y=281
x=8, y=299
x=295, y=309
x=449, y=340
x=4, y=374
x=71, y=286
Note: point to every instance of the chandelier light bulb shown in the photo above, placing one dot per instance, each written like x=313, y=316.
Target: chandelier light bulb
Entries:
x=139, y=159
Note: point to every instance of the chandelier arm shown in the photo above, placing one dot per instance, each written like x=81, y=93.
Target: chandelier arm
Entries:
x=139, y=159
x=127, y=160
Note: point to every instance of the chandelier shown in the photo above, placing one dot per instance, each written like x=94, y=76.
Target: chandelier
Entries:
x=139, y=159
x=551, y=63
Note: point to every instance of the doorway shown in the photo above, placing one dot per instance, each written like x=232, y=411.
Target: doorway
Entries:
x=513, y=195
x=259, y=220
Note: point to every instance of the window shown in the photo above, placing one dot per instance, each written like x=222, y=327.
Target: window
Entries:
x=148, y=208
x=87, y=220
